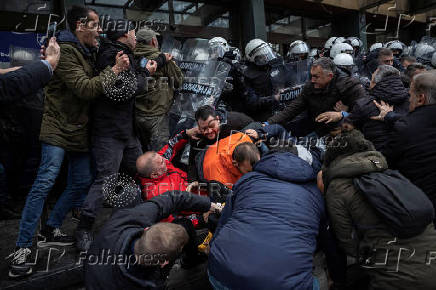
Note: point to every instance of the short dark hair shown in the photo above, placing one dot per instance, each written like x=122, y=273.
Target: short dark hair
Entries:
x=163, y=239
x=204, y=112
x=246, y=151
x=384, y=52
x=408, y=58
x=77, y=13
x=412, y=68
x=325, y=63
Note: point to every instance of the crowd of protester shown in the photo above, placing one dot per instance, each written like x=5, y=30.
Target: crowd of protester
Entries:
x=357, y=184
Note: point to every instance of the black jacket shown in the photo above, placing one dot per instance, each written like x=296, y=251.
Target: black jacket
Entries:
x=255, y=94
x=111, y=119
x=24, y=81
x=412, y=148
x=317, y=101
x=21, y=104
x=118, y=234
x=391, y=90
x=230, y=121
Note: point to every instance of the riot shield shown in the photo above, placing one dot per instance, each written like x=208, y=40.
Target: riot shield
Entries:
x=204, y=79
x=289, y=78
x=288, y=81
x=172, y=46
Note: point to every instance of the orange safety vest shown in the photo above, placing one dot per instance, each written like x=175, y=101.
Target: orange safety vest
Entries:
x=217, y=163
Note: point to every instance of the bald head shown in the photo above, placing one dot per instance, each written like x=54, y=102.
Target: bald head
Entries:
x=151, y=165
x=144, y=163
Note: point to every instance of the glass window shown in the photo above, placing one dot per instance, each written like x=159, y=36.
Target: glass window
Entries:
x=110, y=2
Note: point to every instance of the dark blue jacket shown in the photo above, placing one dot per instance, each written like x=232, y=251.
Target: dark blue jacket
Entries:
x=109, y=264
x=267, y=234
x=23, y=82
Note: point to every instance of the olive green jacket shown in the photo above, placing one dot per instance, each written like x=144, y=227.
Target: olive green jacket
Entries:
x=361, y=232
x=158, y=98
x=67, y=99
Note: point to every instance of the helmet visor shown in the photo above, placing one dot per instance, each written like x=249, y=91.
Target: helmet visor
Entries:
x=217, y=50
x=263, y=54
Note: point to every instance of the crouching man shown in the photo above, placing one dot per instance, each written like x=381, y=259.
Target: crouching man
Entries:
x=267, y=234
x=135, y=251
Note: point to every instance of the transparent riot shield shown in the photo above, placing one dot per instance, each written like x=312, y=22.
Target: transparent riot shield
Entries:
x=288, y=81
x=204, y=79
x=172, y=46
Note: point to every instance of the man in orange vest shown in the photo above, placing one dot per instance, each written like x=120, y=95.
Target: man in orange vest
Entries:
x=228, y=159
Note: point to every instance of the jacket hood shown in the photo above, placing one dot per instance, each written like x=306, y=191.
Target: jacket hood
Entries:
x=288, y=166
x=351, y=155
x=391, y=89
x=65, y=36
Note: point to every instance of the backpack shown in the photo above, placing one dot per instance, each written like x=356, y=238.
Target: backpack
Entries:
x=404, y=207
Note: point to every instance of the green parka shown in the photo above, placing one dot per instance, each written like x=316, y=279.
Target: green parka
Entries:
x=360, y=230
x=68, y=95
x=159, y=97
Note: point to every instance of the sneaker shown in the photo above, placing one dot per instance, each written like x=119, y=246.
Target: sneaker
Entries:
x=54, y=238
x=20, y=264
x=75, y=215
x=83, y=240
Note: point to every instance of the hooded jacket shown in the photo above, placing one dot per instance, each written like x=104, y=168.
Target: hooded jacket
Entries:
x=390, y=90
x=65, y=122
x=158, y=98
x=116, y=237
x=361, y=232
x=266, y=236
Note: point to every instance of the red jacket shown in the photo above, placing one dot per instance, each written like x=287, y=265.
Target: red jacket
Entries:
x=174, y=178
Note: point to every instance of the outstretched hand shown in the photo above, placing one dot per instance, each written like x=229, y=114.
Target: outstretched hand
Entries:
x=384, y=108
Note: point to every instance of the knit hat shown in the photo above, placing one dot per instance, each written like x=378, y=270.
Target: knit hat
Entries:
x=146, y=34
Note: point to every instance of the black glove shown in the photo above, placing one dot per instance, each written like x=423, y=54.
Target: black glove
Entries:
x=217, y=191
x=161, y=60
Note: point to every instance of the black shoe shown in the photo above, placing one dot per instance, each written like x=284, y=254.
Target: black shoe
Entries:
x=8, y=214
x=20, y=264
x=75, y=215
x=83, y=240
x=54, y=238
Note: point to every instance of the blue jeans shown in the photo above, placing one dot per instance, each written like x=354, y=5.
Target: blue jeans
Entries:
x=79, y=180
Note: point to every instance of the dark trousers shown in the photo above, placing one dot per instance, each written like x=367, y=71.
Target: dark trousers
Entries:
x=4, y=195
x=109, y=154
x=153, y=131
